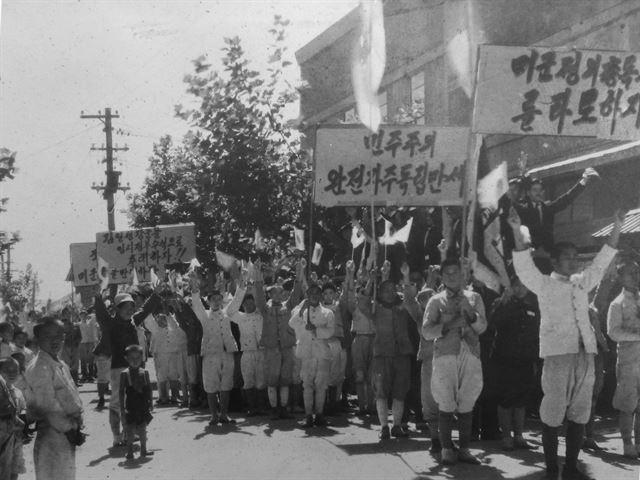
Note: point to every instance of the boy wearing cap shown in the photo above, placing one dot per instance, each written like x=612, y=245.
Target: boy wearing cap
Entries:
x=218, y=347
x=118, y=332
x=278, y=339
x=454, y=319
x=314, y=325
x=623, y=327
x=567, y=340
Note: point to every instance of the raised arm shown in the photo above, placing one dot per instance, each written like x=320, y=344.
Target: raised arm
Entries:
x=526, y=270
x=102, y=314
x=234, y=307
x=595, y=272
x=150, y=306
x=296, y=294
x=196, y=300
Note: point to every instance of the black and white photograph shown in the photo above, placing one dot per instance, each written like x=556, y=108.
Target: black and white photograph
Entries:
x=320, y=239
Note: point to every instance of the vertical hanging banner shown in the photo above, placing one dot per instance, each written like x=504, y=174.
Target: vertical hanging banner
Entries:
x=397, y=165
x=145, y=249
x=558, y=91
x=84, y=264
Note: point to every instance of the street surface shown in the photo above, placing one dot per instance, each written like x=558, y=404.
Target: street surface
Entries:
x=256, y=448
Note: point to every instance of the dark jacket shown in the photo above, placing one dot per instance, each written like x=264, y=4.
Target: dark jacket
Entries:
x=191, y=326
x=542, y=231
x=517, y=325
x=116, y=333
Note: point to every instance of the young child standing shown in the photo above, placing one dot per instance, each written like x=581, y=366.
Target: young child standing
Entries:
x=314, y=325
x=455, y=318
x=623, y=327
x=136, y=400
x=567, y=340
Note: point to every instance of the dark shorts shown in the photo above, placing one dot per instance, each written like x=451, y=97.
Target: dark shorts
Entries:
x=515, y=382
x=278, y=366
x=391, y=376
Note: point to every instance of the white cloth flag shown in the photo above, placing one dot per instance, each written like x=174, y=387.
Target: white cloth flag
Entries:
x=225, y=260
x=317, y=254
x=357, y=236
x=134, y=277
x=368, y=63
x=492, y=186
x=103, y=273
x=298, y=234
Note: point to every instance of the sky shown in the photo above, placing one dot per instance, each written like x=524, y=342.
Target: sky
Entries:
x=58, y=58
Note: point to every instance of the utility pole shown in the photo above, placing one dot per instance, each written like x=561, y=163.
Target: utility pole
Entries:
x=113, y=176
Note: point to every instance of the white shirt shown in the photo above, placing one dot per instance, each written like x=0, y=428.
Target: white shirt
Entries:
x=249, y=324
x=310, y=344
x=51, y=394
x=216, y=327
x=163, y=339
x=89, y=330
x=564, y=316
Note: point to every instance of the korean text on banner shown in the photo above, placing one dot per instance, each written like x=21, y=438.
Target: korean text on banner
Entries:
x=144, y=249
x=398, y=165
x=84, y=264
x=558, y=91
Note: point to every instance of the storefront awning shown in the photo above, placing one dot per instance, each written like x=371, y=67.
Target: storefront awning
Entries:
x=591, y=159
x=631, y=225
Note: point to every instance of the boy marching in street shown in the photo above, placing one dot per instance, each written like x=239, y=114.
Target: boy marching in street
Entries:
x=623, y=327
x=392, y=350
x=567, y=340
x=278, y=339
x=249, y=323
x=455, y=318
x=218, y=347
x=314, y=326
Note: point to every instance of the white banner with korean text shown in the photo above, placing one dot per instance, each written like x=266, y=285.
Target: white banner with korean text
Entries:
x=144, y=249
x=397, y=165
x=557, y=91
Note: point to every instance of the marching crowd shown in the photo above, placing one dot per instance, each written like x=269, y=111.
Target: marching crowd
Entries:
x=433, y=345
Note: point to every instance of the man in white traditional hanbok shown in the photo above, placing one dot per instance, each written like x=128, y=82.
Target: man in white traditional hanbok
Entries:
x=53, y=400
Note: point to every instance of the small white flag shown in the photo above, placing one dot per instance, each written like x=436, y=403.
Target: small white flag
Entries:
x=298, y=234
x=317, y=254
x=492, y=186
x=153, y=277
x=103, y=273
x=225, y=260
x=134, y=277
x=357, y=235
x=386, y=238
x=258, y=241
x=402, y=235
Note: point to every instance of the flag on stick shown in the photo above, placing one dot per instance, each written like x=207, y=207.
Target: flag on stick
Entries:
x=134, y=277
x=357, y=235
x=368, y=63
x=225, y=260
x=317, y=254
x=298, y=234
x=258, y=241
x=153, y=277
x=103, y=273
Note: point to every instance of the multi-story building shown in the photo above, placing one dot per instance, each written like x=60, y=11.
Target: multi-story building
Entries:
x=419, y=73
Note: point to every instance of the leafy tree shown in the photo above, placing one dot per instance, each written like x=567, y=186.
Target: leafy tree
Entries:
x=240, y=168
x=18, y=292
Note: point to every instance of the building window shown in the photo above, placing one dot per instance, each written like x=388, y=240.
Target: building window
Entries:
x=350, y=116
x=382, y=101
x=417, y=97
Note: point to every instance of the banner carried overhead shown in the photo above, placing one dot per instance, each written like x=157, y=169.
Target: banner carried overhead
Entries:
x=145, y=249
x=558, y=91
x=397, y=165
x=84, y=264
